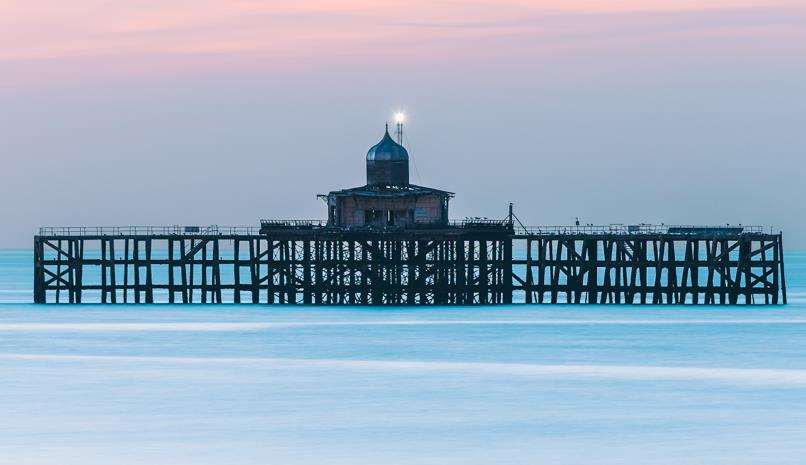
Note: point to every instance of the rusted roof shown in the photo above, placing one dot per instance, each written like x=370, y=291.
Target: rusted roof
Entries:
x=390, y=191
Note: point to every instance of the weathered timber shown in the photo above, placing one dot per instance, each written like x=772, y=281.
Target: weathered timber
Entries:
x=442, y=267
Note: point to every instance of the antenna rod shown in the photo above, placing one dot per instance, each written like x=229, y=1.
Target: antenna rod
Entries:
x=511, y=213
x=400, y=118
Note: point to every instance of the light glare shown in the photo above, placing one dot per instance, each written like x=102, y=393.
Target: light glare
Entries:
x=400, y=117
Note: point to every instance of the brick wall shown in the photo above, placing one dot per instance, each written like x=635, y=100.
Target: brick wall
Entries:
x=423, y=209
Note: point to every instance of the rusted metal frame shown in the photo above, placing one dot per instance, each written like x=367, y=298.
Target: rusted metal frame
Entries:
x=554, y=270
x=186, y=290
x=435, y=273
x=744, y=270
x=461, y=273
x=351, y=249
x=196, y=247
x=104, y=265
x=254, y=269
x=658, y=259
x=686, y=272
x=149, y=290
x=171, y=265
x=204, y=266
x=307, y=293
x=671, y=272
x=620, y=269
x=781, y=262
x=216, y=272
x=710, y=247
x=236, y=270
x=590, y=255
x=56, y=278
x=763, y=247
x=543, y=244
x=273, y=260
x=635, y=258
x=364, y=267
x=58, y=249
x=528, y=281
x=471, y=282
x=379, y=285
x=607, y=282
x=126, y=270
x=40, y=292
x=136, y=269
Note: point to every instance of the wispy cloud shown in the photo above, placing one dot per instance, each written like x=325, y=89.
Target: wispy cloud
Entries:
x=51, y=30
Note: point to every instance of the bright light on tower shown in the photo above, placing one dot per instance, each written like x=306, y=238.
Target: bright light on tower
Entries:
x=400, y=117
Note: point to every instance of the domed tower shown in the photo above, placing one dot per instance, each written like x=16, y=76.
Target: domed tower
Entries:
x=388, y=200
x=387, y=163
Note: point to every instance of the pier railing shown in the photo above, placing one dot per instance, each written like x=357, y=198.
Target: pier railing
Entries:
x=175, y=230
x=475, y=223
x=638, y=229
x=639, y=264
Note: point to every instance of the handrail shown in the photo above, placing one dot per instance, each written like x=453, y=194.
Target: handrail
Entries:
x=293, y=223
x=216, y=230
x=640, y=229
x=212, y=230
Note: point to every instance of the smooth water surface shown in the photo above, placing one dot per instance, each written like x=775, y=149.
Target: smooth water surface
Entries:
x=227, y=384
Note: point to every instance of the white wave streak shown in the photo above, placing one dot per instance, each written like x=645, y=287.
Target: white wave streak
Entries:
x=114, y=327
x=613, y=372
x=255, y=326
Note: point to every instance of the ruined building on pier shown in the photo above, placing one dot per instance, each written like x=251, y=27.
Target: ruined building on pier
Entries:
x=392, y=242
x=388, y=200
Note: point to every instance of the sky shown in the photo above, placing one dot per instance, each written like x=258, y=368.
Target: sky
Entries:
x=154, y=112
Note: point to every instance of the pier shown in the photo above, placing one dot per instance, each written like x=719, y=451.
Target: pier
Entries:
x=473, y=262
x=390, y=242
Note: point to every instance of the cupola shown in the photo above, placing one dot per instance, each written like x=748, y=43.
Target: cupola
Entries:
x=387, y=163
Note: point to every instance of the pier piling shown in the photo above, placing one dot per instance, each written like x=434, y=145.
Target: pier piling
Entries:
x=450, y=266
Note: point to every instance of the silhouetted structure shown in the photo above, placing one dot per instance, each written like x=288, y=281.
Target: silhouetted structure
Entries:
x=388, y=200
x=390, y=242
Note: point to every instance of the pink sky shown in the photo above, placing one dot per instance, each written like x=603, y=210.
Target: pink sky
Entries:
x=51, y=37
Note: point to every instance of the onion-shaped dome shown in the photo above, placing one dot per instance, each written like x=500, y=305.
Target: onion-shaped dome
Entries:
x=387, y=163
x=387, y=150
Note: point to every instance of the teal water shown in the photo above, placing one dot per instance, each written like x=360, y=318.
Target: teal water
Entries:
x=231, y=384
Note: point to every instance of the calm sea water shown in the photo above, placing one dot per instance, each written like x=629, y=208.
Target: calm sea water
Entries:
x=229, y=384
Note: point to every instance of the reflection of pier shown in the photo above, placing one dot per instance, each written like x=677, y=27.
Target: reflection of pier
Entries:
x=472, y=262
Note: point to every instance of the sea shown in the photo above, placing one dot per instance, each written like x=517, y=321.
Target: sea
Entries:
x=552, y=384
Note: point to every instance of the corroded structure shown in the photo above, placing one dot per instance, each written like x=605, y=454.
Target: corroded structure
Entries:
x=390, y=242
x=388, y=200
x=691, y=266
x=464, y=264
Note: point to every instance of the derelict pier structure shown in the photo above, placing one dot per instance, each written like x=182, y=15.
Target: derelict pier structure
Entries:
x=391, y=242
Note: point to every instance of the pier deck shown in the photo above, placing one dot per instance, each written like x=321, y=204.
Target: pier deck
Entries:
x=473, y=262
